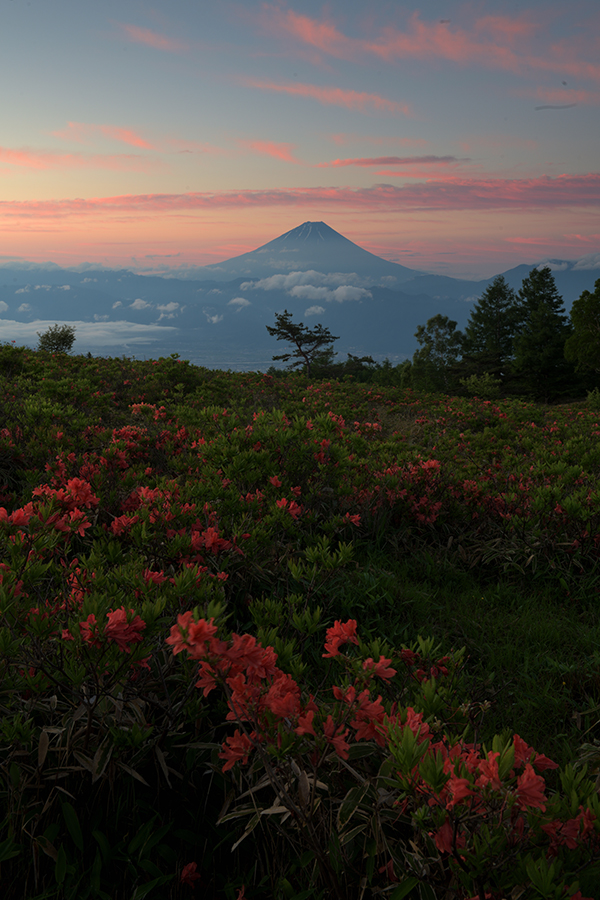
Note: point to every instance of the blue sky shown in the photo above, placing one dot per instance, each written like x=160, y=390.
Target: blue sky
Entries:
x=459, y=138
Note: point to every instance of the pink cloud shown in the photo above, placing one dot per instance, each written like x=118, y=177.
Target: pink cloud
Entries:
x=81, y=132
x=494, y=42
x=526, y=240
x=270, y=148
x=357, y=100
x=583, y=238
x=49, y=159
x=450, y=193
x=392, y=161
x=151, y=39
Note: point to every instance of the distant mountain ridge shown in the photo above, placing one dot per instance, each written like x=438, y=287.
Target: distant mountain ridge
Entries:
x=218, y=320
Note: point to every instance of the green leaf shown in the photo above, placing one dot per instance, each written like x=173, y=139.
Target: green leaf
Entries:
x=350, y=803
x=70, y=817
x=103, y=844
x=143, y=889
x=405, y=888
x=347, y=836
x=359, y=751
x=60, y=868
x=8, y=849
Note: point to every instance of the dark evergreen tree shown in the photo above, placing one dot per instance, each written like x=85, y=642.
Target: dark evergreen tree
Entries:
x=583, y=346
x=434, y=363
x=490, y=332
x=539, y=365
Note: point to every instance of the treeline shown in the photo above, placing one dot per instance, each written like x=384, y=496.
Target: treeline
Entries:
x=515, y=344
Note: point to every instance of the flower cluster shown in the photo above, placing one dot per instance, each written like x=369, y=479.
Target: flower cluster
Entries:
x=457, y=791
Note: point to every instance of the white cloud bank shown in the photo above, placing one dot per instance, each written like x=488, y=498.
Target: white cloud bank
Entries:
x=312, y=277
x=239, y=302
x=589, y=261
x=312, y=285
x=339, y=295
x=90, y=334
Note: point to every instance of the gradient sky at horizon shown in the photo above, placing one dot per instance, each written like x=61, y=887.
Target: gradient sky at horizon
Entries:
x=457, y=138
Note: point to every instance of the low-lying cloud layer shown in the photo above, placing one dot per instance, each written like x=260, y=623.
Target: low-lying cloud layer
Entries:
x=97, y=334
x=312, y=285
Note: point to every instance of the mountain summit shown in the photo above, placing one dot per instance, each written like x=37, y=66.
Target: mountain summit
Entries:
x=310, y=246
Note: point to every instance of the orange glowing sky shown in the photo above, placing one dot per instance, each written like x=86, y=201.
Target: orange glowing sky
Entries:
x=454, y=138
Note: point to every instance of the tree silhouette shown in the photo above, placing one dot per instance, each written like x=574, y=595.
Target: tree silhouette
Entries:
x=583, y=346
x=434, y=362
x=539, y=346
x=491, y=330
x=311, y=345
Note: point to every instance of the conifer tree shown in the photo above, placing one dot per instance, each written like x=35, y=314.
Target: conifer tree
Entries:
x=539, y=347
x=491, y=329
x=311, y=345
x=583, y=346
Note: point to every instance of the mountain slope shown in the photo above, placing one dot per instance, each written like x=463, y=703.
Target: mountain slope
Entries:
x=312, y=245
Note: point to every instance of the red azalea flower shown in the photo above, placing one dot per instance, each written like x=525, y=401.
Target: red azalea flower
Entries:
x=530, y=789
x=89, y=630
x=460, y=788
x=236, y=747
x=122, y=632
x=189, y=874
x=340, y=633
x=381, y=669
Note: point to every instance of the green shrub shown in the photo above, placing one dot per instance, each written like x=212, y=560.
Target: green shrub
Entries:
x=57, y=339
x=485, y=386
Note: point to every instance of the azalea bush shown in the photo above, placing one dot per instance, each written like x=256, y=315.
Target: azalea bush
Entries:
x=249, y=513
x=369, y=794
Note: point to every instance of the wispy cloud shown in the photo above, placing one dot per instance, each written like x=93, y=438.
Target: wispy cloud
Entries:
x=359, y=101
x=342, y=139
x=558, y=97
x=271, y=148
x=181, y=145
x=449, y=193
x=83, y=132
x=494, y=42
x=392, y=161
x=138, y=35
x=485, y=142
x=50, y=159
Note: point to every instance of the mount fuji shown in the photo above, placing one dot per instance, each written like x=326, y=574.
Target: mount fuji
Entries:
x=310, y=246
x=216, y=315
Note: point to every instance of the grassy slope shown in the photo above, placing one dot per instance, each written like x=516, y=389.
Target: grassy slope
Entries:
x=532, y=644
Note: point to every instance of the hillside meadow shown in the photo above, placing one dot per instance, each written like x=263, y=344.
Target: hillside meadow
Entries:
x=266, y=637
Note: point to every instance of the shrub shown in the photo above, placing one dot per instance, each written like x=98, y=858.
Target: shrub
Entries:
x=485, y=386
x=593, y=400
x=57, y=339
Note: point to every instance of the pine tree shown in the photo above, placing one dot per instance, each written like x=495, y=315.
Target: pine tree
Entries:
x=311, y=345
x=491, y=329
x=539, y=347
x=583, y=346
